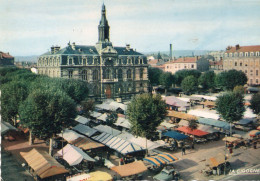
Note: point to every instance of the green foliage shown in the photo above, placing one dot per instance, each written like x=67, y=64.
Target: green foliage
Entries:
x=12, y=95
x=153, y=75
x=166, y=79
x=145, y=113
x=189, y=84
x=181, y=74
x=4, y=71
x=239, y=89
x=45, y=112
x=230, y=106
x=111, y=118
x=87, y=107
x=76, y=89
x=207, y=80
x=193, y=124
x=227, y=80
x=255, y=103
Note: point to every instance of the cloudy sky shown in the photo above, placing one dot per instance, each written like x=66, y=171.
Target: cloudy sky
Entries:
x=31, y=27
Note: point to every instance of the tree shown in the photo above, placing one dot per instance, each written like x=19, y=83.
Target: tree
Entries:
x=12, y=95
x=76, y=89
x=230, y=106
x=153, y=75
x=181, y=74
x=145, y=113
x=166, y=79
x=193, y=124
x=207, y=80
x=87, y=107
x=111, y=119
x=189, y=84
x=255, y=103
x=46, y=112
x=227, y=80
x=239, y=89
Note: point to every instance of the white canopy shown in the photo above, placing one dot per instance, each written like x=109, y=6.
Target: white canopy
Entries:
x=74, y=155
x=103, y=117
x=168, y=125
x=95, y=114
x=249, y=113
x=204, y=113
x=70, y=135
x=118, y=144
x=123, y=122
x=106, y=106
x=118, y=105
x=107, y=129
x=206, y=128
x=210, y=98
x=139, y=141
x=5, y=126
x=88, y=131
x=184, y=99
x=82, y=119
x=183, y=123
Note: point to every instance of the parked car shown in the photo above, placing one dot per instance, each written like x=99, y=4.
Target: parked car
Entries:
x=168, y=173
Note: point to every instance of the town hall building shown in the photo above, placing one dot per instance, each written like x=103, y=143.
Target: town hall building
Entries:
x=111, y=72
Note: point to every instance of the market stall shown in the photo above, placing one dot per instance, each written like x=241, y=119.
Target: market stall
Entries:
x=130, y=169
x=92, y=176
x=43, y=164
x=74, y=155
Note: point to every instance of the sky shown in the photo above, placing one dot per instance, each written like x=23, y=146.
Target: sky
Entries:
x=31, y=27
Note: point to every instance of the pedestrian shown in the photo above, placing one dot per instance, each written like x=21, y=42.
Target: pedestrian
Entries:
x=255, y=144
x=183, y=150
x=108, y=155
x=121, y=161
x=192, y=146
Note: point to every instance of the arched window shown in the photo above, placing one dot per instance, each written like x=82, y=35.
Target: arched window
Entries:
x=120, y=74
x=95, y=75
x=129, y=76
x=107, y=74
x=84, y=75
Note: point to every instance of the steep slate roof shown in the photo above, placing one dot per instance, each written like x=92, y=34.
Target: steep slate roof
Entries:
x=91, y=50
x=253, y=48
x=79, y=49
x=124, y=51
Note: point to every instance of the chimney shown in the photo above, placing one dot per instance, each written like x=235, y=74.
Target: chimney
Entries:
x=170, y=51
x=237, y=46
x=73, y=46
x=56, y=49
x=197, y=57
x=128, y=47
x=52, y=50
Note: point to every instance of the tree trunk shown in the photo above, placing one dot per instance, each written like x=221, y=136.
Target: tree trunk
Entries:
x=230, y=129
x=50, y=146
x=31, y=138
x=146, y=146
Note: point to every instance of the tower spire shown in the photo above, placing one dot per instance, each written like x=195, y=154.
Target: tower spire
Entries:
x=103, y=27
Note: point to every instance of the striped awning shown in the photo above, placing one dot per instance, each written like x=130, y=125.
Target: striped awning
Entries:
x=161, y=159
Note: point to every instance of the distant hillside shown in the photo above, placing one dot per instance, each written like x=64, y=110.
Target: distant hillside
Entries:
x=178, y=53
x=32, y=58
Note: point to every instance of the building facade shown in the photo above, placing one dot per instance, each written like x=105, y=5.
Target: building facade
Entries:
x=180, y=64
x=6, y=59
x=111, y=72
x=246, y=59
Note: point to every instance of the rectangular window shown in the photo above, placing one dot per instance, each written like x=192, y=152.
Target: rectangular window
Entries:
x=70, y=73
x=256, y=72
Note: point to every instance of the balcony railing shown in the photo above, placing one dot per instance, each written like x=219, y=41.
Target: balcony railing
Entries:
x=110, y=80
